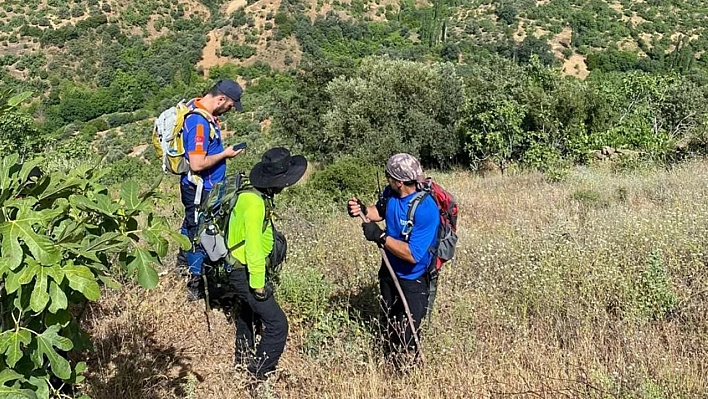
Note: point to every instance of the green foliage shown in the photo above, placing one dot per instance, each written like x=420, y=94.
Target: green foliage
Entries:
x=589, y=199
x=546, y=158
x=235, y=50
x=240, y=18
x=394, y=106
x=307, y=292
x=18, y=132
x=345, y=178
x=640, y=104
x=63, y=237
x=497, y=132
x=530, y=114
x=655, y=296
x=612, y=60
x=532, y=46
x=128, y=168
x=103, y=64
x=334, y=38
x=507, y=13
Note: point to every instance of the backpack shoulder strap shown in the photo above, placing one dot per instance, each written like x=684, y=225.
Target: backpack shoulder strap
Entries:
x=410, y=215
x=267, y=202
x=207, y=116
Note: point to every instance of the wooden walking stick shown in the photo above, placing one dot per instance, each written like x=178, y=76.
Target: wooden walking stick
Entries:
x=400, y=293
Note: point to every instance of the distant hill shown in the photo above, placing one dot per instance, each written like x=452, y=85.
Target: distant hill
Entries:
x=85, y=59
x=243, y=31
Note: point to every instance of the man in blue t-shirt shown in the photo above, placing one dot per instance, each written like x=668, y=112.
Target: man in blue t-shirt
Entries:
x=407, y=247
x=207, y=157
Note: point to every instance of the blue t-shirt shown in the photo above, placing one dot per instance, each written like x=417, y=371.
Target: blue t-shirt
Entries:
x=197, y=141
x=425, y=229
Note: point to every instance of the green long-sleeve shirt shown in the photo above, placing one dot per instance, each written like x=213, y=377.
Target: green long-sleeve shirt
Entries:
x=246, y=223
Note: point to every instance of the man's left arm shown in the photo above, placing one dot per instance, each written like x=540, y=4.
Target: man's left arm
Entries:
x=425, y=227
x=424, y=231
x=399, y=249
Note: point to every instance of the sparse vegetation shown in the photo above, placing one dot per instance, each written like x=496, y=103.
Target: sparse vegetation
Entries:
x=536, y=298
x=580, y=269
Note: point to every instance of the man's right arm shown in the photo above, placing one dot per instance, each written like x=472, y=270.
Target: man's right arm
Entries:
x=196, y=144
x=200, y=162
x=355, y=209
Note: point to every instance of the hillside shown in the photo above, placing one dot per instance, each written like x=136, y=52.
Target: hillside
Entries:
x=573, y=134
x=37, y=34
x=592, y=288
x=109, y=66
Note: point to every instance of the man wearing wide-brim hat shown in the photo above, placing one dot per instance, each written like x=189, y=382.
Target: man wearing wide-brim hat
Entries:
x=253, y=245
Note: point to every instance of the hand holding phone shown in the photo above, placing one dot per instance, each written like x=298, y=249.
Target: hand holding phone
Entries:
x=240, y=146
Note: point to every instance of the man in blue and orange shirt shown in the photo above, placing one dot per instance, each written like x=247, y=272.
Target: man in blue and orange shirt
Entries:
x=207, y=157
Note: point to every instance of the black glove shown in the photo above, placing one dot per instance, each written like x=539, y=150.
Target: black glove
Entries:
x=361, y=206
x=267, y=293
x=374, y=233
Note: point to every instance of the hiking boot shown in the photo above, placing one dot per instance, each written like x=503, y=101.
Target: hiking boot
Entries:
x=195, y=288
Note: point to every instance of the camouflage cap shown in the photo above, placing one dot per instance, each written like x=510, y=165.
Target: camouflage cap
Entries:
x=404, y=167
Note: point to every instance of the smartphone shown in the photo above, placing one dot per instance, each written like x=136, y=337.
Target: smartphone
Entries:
x=240, y=146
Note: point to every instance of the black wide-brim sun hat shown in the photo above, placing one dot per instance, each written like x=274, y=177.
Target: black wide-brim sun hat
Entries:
x=278, y=169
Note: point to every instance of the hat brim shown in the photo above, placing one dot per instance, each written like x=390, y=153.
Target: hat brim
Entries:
x=295, y=171
x=237, y=106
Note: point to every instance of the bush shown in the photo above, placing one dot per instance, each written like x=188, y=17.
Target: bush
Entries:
x=64, y=249
x=240, y=18
x=346, y=178
x=655, y=297
x=589, y=199
x=391, y=106
x=129, y=168
x=234, y=50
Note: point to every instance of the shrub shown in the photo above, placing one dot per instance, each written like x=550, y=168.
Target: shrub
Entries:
x=63, y=238
x=237, y=51
x=307, y=292
x=589, y=199
x=655, y=297
x=128, y=168
x=346, y=178
x=393, y=106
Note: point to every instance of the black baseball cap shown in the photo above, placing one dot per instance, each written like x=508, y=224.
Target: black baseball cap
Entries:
x=231, y=90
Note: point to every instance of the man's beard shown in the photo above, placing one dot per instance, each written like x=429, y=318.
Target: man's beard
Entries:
x=220, y=110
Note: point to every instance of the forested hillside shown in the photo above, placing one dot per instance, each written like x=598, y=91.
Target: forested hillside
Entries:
x=99, y=70
x=567, y=129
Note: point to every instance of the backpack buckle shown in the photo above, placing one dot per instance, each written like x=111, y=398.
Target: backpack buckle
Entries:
x=407, y=229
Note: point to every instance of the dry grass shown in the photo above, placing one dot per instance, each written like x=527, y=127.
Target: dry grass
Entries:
x=552, y=295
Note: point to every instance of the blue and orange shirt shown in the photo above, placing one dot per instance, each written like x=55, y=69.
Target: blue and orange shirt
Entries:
x=197, y=140
x=422, y=238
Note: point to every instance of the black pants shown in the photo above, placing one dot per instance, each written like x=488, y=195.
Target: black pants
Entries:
x=398, y=334
x=256, y=316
